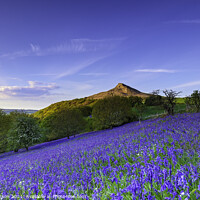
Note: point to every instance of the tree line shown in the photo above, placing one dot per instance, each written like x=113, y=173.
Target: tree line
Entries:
x=20, y=130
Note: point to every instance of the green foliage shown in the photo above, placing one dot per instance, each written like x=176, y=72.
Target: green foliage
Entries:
x=89, y=124
x=85, y=110
x=4, y=127
x=63, y=123
x=195, y=96
x=6, y=123
x=24, y=133
x=134, y=114
x=111, y=111
x=193, y=101
x=63, y=105
x=135, y=100
x=16, y=114
x=140, y=110
x=154, y=100
x=169, y=101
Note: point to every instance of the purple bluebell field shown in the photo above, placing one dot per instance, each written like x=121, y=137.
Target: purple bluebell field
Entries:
x=154, y=159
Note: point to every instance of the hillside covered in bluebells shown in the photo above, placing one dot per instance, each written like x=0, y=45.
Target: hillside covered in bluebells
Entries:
x=155, y=159
x=70, y=118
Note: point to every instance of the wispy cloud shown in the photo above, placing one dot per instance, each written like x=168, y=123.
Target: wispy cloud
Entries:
x=80, y=45
x=188, y=84
x=94, y=74
x=16, y=54
x=74, y=69
x=78, y=86
x=35, y=48
x=11, y=78
x=33, y=51
x=34, y=89
x=185, y=21
x=155, y=70
x=67, y=47
x=44, y=74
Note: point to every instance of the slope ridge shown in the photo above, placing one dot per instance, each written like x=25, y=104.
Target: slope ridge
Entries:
x=120, y=90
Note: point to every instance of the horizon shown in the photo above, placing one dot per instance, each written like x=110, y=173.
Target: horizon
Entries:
x=54, y=51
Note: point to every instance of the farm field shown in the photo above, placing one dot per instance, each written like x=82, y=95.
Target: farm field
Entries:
x=155, y=159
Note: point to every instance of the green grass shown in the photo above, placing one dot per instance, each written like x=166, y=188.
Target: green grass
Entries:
x=180, y=100
x=153, y=110
x=150, y=111
x=180, y=107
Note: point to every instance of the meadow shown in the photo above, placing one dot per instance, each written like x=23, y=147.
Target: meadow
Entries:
x=154, y=111
x=155, y=159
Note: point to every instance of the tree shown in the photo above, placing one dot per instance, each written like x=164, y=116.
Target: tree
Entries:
x=4, y=127
x=170, y=101
x=17, y=114
x=188, y=103
x=85, y=110
x=193, y=101
x=156, y=92
x=140, y=110
x=111, y=111
x=135, y=100
x=195, y=96
x=64, y=123
x=154, y=100
x=24, y=133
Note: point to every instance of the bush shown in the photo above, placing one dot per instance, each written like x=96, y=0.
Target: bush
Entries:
x=135, y=115
x=140, y=110
x=193, y=101
x=85, y=110
x=111, y=111
x=135, y=100
x=89, y=124
x=63, y=123
x=154, y=100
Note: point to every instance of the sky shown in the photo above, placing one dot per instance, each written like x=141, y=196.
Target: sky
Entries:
x=56, y=50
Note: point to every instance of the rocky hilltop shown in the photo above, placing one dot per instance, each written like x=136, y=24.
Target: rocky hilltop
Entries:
x=120, y=90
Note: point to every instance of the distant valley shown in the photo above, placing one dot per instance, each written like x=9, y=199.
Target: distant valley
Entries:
x=7, y=111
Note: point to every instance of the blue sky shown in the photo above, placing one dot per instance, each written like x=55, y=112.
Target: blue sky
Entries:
x=55, y=50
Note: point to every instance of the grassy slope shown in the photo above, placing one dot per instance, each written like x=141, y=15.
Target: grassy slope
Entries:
x=158, y=110
x=180, y=100
x=151, y=110
x=63, y=105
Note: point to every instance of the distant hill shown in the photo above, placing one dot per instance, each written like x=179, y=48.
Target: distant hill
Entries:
x=7, y=111
x=120, y=90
